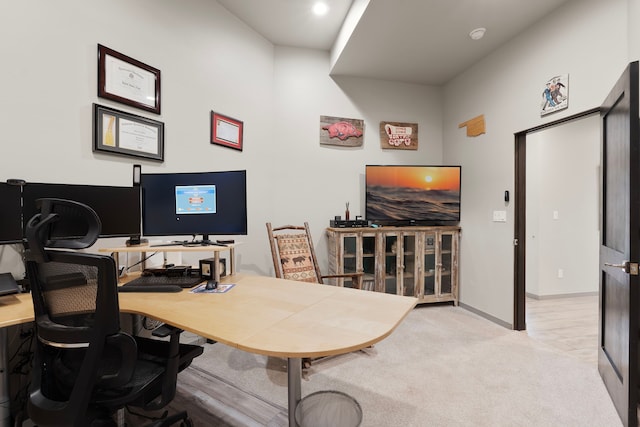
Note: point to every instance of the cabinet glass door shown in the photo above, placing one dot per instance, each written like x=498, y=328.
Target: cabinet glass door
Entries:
x=408, y=271
x=369, y=261
x=350, y=258
x=446, y=253
x=392, y=262
x=429, y=265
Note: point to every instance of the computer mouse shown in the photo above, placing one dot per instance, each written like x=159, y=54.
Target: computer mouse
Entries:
x=211, y=284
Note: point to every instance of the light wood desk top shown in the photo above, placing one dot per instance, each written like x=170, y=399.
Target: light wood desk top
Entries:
x=263, y=315
x=15, y=309
x=277, y=317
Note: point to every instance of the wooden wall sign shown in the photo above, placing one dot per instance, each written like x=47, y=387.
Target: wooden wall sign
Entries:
x=475, y=126
x=399, y=136
x=340, y=131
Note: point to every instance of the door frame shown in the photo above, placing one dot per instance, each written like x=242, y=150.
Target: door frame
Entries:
x=520, y=217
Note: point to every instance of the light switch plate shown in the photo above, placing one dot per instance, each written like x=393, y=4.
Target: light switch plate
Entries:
x=499, y=216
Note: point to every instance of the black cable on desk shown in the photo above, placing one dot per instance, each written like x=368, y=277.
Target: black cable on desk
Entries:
x=141, y=261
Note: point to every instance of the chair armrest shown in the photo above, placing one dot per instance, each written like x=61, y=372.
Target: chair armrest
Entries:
x=165, y=330
x=126, y=345
x=357, y=278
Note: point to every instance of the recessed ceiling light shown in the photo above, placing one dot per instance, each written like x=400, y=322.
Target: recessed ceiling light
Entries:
x=478, y=33
x=320, y=8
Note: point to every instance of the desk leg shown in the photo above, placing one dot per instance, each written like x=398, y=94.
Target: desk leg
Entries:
x=216, y=263
x=294, y=377
x=5, y=410
x=232, y=260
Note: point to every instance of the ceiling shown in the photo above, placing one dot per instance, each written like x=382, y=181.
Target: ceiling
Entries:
x=413, y=41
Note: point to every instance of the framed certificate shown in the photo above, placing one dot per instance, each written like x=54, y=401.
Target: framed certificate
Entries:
x=226, y=131
x=122, y=133
x=128, y=81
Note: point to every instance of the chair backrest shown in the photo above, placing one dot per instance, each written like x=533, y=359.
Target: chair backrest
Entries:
x=294, y=257
x=77, y=316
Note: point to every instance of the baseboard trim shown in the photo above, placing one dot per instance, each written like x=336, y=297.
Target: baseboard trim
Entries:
x=553, y=296
x=486, y=316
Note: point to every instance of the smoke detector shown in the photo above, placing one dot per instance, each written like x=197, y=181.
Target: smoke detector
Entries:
x=477, y=34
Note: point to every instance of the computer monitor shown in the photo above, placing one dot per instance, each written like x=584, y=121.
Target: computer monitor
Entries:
x=197, y=203
x=10, y=214
x=117, y=207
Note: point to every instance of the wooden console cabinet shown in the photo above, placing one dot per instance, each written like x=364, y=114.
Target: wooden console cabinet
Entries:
x=411, y=261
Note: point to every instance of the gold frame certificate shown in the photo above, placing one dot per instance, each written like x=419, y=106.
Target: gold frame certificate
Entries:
x=117, y=132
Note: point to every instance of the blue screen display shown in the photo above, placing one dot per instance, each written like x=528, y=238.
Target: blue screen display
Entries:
x=195, y=199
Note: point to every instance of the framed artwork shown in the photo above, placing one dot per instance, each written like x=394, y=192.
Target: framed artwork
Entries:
x=127, y=80
x=126, y=134
x=398, y=136
x=226, y=131
x=341, y=132
x=555, y=95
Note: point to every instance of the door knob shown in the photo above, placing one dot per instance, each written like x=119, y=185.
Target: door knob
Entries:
x=628, y=267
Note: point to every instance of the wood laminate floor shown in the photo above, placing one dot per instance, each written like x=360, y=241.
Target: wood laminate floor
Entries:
x=566, y=323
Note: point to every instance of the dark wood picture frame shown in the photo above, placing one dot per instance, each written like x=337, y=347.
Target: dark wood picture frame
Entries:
x=127, y=134
x=226, y=131
x=127, y=80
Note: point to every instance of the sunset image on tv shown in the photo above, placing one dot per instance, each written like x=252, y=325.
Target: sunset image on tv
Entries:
x=413, y=193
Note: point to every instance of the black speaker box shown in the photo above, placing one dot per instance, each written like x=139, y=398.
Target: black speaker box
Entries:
x=344, y=223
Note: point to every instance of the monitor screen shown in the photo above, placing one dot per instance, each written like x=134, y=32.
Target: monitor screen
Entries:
x=197, y=203
x=10, y=214
x=117, y=207
x=412, y=195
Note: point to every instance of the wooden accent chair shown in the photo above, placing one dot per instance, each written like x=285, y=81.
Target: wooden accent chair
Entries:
x=294, y=256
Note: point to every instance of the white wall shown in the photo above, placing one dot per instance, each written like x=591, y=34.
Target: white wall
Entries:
x=313, y=182
x=562, y=238
x=209, y=61
x=506, y=87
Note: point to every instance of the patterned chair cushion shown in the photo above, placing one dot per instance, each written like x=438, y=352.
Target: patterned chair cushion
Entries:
x=295, y=257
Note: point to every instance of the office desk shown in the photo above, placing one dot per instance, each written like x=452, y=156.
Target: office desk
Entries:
x=273, y=317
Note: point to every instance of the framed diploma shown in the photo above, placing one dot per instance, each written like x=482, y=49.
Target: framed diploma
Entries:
x=226, y=131
x=122, y=133
x=128, y=81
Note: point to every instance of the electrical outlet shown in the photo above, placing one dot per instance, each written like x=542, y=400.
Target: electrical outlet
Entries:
x=560, y=273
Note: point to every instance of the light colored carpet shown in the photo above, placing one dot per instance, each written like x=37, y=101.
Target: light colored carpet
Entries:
x=443, y=366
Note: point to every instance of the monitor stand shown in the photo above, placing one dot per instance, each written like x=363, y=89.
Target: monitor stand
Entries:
x=136, y=241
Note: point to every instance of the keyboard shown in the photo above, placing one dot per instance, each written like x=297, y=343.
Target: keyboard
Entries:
x=159, y=284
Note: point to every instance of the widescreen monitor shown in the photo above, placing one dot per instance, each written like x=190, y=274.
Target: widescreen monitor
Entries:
x=194, y=203
x=10, y=214
x=118, y=208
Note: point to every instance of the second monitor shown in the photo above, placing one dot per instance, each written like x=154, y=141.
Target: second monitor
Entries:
x=194, y=203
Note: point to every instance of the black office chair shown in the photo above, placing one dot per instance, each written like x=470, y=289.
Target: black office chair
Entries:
x=86, y=368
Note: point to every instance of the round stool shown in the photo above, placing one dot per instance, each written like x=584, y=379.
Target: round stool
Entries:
x=328, y=409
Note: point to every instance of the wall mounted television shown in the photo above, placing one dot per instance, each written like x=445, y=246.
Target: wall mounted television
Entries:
x=194, y=203
x=412, y=195
x=10, y=214
x=118, y=208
